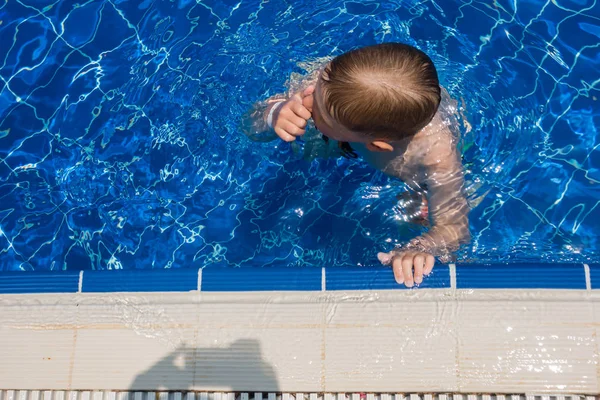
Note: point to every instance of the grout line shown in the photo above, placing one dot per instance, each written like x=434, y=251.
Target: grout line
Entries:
x=199, y=286
x=80, y=283
x=452, y=276
x=323, y=281
x=588, y=278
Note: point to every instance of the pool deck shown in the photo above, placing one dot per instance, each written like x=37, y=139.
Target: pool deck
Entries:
x=457, y=336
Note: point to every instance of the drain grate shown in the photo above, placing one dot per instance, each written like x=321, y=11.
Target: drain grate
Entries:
x=142, y=395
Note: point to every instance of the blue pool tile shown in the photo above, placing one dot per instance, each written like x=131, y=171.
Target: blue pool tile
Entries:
x=380, y=278
x=150, y=280
x=258, y=279
x=39, y=282
x=520, y=276
x=595, y=276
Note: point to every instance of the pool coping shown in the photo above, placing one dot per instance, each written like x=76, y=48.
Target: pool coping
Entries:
x=251, y=279
x=520, y=328
x=431, y=340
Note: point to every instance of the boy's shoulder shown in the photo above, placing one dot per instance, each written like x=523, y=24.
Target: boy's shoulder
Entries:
x=437, y=142
x=446, y=121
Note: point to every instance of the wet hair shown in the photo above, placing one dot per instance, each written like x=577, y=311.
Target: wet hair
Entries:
x=388, y=91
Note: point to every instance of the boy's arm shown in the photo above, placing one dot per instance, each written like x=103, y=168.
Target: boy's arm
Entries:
x=448, y=211
x=254, y=122
x=448, y=207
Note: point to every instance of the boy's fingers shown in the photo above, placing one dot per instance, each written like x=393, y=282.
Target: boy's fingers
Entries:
x=385, y=258
x=308, y=98
x=300, y=110
x=308, y=91
x=429, y=263
x=407, y=266
x=283, y=135
x=307, y=102
x=297, y=121
x=418, y=263
x=292, y=128
x=404, y=264
x=296, y=98
x=397, y=268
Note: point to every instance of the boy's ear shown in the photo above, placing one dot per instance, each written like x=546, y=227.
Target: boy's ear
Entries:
x=379, y=145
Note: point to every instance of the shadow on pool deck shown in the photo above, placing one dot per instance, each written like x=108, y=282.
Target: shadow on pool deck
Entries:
x=239, y=367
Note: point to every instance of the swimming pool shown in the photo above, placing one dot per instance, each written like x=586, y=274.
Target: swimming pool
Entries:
x=120, y=147
x=120, y=150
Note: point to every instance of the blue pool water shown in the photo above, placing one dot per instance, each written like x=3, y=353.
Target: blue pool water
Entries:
x=120, y=147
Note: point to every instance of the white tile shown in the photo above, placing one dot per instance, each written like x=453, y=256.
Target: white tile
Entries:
x=38, y=311
x=135, y=342
x=45, y=354
x=253, y=359
x=596, y=319
x=387, y=359
x=123, y=359
x=254, y=314
x=523, y=346
x=140, y=312
x=396, y=347
x=37, y=335
x=312, y=343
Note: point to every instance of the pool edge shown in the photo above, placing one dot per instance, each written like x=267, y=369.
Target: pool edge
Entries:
x=304, y=341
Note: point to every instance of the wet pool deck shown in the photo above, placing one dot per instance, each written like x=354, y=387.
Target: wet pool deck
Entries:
x=328, y=338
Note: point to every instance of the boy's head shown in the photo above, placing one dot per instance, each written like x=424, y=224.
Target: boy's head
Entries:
x=384, y=92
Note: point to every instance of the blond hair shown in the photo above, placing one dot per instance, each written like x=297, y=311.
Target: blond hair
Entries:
x=389, y=90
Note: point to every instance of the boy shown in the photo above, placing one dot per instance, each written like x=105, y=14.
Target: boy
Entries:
x=385, y=103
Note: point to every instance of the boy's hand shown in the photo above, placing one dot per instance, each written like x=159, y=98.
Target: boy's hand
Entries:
x=290, y=120
x=409, y=266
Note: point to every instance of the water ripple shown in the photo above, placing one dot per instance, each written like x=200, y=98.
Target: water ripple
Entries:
x=119, y=145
